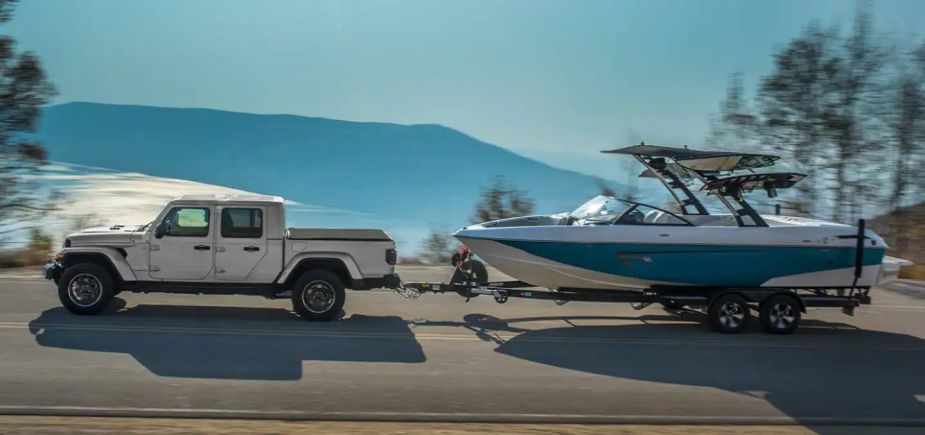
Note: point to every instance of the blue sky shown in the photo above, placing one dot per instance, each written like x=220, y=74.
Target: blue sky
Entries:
x=545, y=76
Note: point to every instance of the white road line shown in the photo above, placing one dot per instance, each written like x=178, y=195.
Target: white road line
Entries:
x=895, y=307
x=441, y=416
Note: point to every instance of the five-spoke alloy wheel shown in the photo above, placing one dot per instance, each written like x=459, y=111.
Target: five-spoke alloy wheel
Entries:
x=780, y=314
x=729, y=313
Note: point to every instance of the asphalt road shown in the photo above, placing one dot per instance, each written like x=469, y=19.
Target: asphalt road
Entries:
x=438, y=358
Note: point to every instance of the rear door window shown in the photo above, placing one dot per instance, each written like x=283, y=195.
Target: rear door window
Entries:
x=244, y=223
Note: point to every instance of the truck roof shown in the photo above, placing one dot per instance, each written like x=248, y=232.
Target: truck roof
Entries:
x=230, y=198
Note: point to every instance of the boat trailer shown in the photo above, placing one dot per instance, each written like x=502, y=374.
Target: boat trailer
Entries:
x=727, y=308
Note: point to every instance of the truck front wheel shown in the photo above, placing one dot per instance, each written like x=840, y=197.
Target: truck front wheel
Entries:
x=85, y=288
x=318, y=295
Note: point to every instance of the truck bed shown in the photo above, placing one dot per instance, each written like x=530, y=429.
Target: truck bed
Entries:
x=337, y=234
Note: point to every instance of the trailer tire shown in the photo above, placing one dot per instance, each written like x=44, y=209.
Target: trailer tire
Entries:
x=318, y=295
x=729, y=313
x=85, y=288
x=780, y=314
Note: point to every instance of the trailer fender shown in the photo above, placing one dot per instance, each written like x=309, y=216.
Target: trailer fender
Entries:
x=110, y=258
x=301, y=262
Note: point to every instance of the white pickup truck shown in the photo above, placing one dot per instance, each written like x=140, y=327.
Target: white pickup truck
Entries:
x=223, y=244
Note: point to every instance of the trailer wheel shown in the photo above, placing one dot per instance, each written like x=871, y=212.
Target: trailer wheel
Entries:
x=318, y=295
x=729, y=313
x=780, y=314
x=473, y=272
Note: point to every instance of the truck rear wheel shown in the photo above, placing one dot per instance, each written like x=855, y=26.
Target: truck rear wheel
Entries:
x=318, y=295
x=85, y=288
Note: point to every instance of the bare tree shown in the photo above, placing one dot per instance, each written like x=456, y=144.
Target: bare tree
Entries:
x=736, y=128
x=24, y=88
x=906, y=121
x=856, y=71
x=500, y=201
x=792, y=101
x=820, y=107
x=438, y=247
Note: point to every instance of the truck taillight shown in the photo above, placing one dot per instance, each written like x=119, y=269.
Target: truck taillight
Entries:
x=391, y=256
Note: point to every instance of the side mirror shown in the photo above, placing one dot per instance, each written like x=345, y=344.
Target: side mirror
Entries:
x=161, y=229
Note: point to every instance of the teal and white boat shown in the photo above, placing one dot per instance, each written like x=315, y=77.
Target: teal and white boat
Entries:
x=614, y=244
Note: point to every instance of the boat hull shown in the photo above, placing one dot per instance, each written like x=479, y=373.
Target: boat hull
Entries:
x=633, y=265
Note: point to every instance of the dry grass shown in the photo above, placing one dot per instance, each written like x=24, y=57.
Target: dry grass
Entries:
x=904, y=231
x=29, y=256
x=913, y=272
x=36, y=252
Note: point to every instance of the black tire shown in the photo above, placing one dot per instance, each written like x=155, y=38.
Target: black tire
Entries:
x=318, y=295
x=477, y=274
x=780, y=314
x=92, y=290
x=729, y=313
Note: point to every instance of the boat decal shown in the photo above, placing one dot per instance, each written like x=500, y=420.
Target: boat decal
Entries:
x=726, y=265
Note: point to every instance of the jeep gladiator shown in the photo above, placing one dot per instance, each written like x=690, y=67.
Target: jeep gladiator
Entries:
x=223, y=244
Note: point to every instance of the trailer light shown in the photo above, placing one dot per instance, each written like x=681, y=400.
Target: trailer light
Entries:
x=391, y=256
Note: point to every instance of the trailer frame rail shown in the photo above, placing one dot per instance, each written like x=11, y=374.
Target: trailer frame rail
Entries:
x=711, y=298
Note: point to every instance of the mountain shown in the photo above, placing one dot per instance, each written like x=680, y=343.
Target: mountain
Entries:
x=425, y=173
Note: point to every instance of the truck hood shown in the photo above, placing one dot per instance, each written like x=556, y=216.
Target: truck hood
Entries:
x=115, y=235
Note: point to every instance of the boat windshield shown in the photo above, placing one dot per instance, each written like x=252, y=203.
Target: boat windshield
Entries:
x=599, y=206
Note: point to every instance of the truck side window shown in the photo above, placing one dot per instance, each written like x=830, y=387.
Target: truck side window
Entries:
x=187, y=222
x=242, y=223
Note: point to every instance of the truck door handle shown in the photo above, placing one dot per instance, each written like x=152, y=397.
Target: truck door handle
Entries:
x=202, y=247
x=251, y=248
